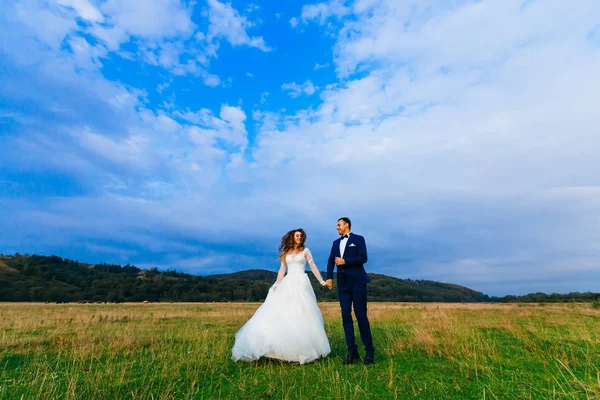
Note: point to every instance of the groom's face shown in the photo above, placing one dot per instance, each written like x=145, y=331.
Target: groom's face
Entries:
x=342, y=227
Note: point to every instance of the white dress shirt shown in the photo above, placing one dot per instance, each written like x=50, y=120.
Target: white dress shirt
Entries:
x=343, y=245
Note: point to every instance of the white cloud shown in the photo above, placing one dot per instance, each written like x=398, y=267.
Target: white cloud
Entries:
x=252, y=8
x=130, y=151
x=325, y=10
x=162, y=32
x=227, y=23
x=157, y=19
x=86, y=55
x=162, y=86
x=44, y=24
x=297, y=90
x=112, y=37
x=169, y=54
x=211, y=80
x=469, y=34
x=84, y=9
x=233, y=115
x=320, y=66
x=263, y=97
x=104, y=131
x=228, y=127
x=164, y=155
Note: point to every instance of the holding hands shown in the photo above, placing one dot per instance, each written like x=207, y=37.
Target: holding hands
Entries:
x=328, y=283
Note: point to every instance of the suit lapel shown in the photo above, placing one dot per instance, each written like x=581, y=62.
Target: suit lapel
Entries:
x=347, y=245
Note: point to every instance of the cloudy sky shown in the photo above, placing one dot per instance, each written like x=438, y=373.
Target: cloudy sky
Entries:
x=461, y=137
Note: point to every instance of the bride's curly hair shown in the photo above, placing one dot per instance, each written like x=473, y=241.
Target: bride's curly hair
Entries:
x=288, y=243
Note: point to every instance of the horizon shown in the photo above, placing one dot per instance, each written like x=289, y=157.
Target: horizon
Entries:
x=159, y=269
x=460, y=138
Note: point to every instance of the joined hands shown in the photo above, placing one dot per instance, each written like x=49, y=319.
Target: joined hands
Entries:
x=328, y=283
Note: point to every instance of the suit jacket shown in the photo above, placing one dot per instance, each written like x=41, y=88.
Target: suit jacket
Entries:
x=355, y=256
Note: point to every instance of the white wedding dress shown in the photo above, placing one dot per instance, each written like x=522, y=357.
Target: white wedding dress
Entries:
x=288, y=326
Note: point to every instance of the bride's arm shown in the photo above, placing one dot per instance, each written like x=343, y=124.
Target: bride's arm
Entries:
x=281, y=272
x=313, y=267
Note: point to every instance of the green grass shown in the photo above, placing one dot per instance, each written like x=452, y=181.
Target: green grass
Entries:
x=424, y=351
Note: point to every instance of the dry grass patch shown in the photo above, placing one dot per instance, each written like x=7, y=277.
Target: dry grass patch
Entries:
x=454, y=351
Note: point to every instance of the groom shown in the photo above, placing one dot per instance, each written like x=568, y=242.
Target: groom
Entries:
x=349, y=253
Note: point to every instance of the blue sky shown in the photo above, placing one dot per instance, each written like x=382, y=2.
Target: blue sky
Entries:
x=461, y=137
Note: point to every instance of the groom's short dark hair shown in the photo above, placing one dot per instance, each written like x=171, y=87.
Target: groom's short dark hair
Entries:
x=346, y=220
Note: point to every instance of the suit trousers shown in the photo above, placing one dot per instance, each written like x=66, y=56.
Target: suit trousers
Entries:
x=355, y=296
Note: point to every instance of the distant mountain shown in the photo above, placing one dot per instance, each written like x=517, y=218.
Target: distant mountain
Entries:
x=383, y=288
x=52, y=278
x=253, y=275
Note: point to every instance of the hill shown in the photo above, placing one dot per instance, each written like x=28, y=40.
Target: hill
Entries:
x=52, y=278
x=384, y=288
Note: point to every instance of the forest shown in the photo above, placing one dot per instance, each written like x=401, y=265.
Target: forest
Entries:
x=35, y=278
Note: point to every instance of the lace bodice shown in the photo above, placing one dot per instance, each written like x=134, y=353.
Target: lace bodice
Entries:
x=296, y=264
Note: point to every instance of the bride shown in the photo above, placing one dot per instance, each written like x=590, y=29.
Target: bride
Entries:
x=288, y=326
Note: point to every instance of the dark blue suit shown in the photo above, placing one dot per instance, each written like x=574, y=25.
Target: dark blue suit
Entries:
x=352, y=289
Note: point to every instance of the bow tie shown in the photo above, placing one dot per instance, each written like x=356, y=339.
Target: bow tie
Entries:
x=345, y=237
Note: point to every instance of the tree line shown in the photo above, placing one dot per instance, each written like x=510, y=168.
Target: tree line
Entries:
x=54, y=279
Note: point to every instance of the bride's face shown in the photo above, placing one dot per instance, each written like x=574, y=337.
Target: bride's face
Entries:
x=298, y=237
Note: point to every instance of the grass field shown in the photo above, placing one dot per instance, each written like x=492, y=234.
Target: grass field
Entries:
x=425, y=351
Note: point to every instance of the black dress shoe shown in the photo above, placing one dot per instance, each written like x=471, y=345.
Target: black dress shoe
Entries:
x=369, y=358
x=350, y=358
